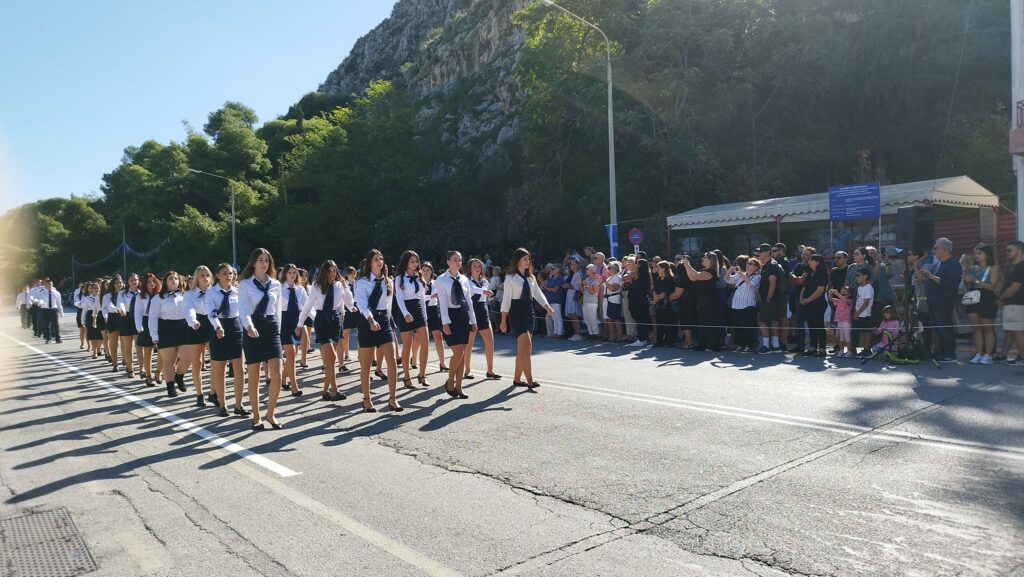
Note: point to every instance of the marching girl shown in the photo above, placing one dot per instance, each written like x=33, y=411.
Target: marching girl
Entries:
x=328, y=298
x=350, y=320
x=292, y=330
x=112, y=317
x=307, y=326
x=193, y=354
x=259, y=303
x=168, y=328
x=125, y=304
x=76, y=300
x=410, y=315
x=101, y=315
x=373, y=295
x=144, y=341
x=481, y=294
x=458, y=318
x=91, y=307
x=433, y=313
x=517, y=313
x=225, y=337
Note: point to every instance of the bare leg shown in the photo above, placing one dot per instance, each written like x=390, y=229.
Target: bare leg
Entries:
x=524, y=352
x=193, y=354
x=127, y=355
x=330, y=374
x=274, y=366
x=421, y=346
x=389, y=356
x=488, y=337
x=289, y=374
x=408, y=343
x=439, y=345
x=253, y=371
x=466, y=357
x=455, y=370
x=113, y=340
x=365, y=358
x=217, y=381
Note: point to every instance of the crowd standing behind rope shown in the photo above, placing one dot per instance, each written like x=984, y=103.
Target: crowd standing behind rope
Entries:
x=764, y=303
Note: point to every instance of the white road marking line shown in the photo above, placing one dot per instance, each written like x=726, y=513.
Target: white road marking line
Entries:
x=185, y=424
x=1010, y=452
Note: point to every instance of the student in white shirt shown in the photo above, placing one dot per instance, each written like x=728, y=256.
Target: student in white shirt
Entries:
x=349, y=322
x=458, y=319
x=91, y=306
x=259, y=303
x=481, y=294
x=52, y=309
x=329, y=297
x=410, y=314
x=76, y=300
x=517, y=313
x=144, y=340
x=193, y=354
x=22, y=304
x=225, y=338
x=169, y=329
x=112, y=318
x=433, y=313
x=125, y=304
x=374, y=292
x=307, y=326
x=293, y=329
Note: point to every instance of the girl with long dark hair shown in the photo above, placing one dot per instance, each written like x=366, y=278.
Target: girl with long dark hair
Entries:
x=374, y=292
x=91, y=312
x=292, y=326
x=225, y=338
x=481, y=294
x=517, y=313
x=125, y=305
x=410, y=314
x=433, y=313
x=144, y=341
x=259, y=304
x=640, y=282
x=812, y=295
x=328, y=298
x=193, y=354
x=307, y=325
x=458, y=319
x=350, y=321
x=112, y=318
x=704, y=285
x=168, y=328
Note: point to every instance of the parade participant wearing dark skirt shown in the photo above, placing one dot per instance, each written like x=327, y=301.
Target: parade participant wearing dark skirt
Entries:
x=76, y=301
x=328, y=298
x=225, y=338
x=259, y=303
x=112, y=319
x=193, y=354
x=90, y=310
x=307, y=326
x=127, y=299
x=350, y=320
x=410, y=314
x=292, y=328
x=169, y=329
x=458, y=319
x=517, y=313
x=144, y=340
x=433, y=312
x=373, y=295
x=480, y=296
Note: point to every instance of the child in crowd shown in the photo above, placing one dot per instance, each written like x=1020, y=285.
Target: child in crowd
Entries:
x=890, y=325
x=841, y=304
x=862, y=311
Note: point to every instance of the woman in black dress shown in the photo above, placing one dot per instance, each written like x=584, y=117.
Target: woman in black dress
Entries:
x=812, y=298
x=328, y=297
x=664, y=286
x=518, y=294
x=985, y=277
x=703, y=282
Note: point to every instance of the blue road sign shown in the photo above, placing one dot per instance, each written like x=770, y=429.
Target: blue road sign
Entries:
x=635, y=236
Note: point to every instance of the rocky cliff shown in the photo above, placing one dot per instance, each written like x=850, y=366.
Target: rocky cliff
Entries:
x=456, y=56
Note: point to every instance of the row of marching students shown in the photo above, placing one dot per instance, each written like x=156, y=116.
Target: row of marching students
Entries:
x=262, y=319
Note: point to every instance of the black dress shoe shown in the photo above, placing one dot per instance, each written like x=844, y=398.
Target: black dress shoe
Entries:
x=213, y=399
x=259, y=427
x=223, y=412
x=533, y=385
x=171, y=391
x=395, y=408
x=380, y=375
x=423, y=381
x=326, y=396
x=337, y=396
x=461, y=395
x=179, y=379
x=200, y=401
x=297, y=393
x=277, y=426
x=241, y=412
x=493, y=376
x=408, y=384
x=519, y=384
x=370, y=409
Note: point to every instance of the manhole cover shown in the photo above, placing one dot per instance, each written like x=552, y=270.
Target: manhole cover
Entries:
x=45, y=544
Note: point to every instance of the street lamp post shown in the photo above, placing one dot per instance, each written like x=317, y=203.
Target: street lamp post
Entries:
x=234, y=253
x=613, y=236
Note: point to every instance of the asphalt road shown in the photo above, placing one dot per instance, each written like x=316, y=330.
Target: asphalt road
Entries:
x=622, y=463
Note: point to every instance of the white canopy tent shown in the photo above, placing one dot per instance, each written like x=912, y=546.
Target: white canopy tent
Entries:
x=958, y=191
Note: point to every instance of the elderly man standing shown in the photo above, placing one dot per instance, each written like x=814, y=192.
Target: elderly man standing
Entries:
x=941, y=288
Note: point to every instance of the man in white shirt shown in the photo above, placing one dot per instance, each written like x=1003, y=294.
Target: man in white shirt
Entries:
x=51, y=309
x=22, y=304
x=33, y=300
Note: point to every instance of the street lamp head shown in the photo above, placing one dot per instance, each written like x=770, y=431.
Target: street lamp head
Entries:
x=547, y=3
x=194, y=170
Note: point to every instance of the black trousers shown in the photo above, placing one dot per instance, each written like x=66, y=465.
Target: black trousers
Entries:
x=667, y=329
x=25, y=323
x=51, y=325
x=639, y=308
x=814, y=314
x=744, y=320
x=37, y=320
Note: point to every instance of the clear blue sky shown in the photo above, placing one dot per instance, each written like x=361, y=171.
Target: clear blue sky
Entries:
x=83, y=80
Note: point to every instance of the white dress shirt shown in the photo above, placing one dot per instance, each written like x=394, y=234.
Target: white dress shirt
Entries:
x=301, y=298
x=90, y=303
x=514, y=290
x=352, y=291
x=142, y=307
x=108, y=306
x=364, y=287
x=249, y=297
x=170, y=307
x=214, y=298
x=35, y=294
x=746, y=291
x=123, y=303
x=50, y=299
x=479, y=290
x=314, y=305
x=195, y=305
x=407, y=290
x=443, y=286
x=76, y=298
x=22, y=299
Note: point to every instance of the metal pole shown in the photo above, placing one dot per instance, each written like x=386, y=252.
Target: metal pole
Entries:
x=1017, y=91
x=124, y=252
x=234, y=253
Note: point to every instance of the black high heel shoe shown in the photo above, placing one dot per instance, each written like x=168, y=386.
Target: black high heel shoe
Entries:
x=423, y=381
x=380, y=375
x=493, y=376
x=259, y=426
x=371, y=408
x=408, y=384
x=460, y=395
x=179, y=379
x=395, y=408
x=241, y=412
x=451, y=392
x=277, y=426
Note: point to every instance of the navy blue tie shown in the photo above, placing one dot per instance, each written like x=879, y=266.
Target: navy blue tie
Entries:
x=378, y=290
x=225, y=307
x=261, y=307
x=526, y=288
x=293, y=303
x=458, y=295
x=415, y=280
x=329, y=299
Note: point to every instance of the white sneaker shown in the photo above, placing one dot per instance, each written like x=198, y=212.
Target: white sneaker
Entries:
x=985, y=360
x=637, y=343
x=975, y=360
x=576, y=338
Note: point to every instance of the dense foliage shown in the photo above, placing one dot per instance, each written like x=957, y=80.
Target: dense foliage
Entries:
x=716, y=101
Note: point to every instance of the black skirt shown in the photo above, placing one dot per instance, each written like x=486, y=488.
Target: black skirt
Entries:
x=433, y=318
x=264, y=347
x=92, y=333
x=351, y=320
x=985, y=309
x=228, y=348
x=369, y=339
x=415, y=308
x=78, y=317
x=288, y=325
x=173, y=333
x=520, y=317
x=101, y=322
x=200, y=336
x=483, y=316
x=127, y=324
x=327, y=327
x=144, y=339
x=459, y=328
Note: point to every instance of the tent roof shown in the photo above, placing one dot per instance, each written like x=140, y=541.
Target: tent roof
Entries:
x=958, y=191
